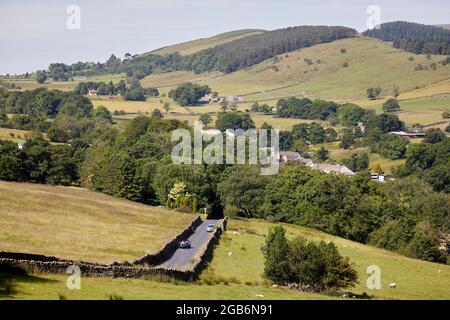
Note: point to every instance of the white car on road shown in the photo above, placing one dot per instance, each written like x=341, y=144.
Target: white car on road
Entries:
x=210, y=228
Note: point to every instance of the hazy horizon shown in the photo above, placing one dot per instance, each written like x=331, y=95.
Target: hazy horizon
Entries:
x=35, y=33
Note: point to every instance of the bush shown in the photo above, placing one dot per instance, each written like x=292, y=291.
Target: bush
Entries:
x=276, y=252
x=434, y=136
x=373, y=93
x=424, y=245
x=313, y=266
x=391, y=105
x=41, y=77
x=188, y=94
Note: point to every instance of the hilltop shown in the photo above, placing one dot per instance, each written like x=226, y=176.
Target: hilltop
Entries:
x=193, y=46
x=74, y=223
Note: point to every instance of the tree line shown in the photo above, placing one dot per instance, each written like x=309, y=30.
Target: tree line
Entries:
x=413, y=37
x=227, y=57
x=132, y=92
x=135, y=163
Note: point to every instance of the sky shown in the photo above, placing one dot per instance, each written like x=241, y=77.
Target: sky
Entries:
x=35, y=33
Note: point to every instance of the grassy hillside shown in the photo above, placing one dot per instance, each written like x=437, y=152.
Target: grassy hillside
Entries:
x=75, y=223
x=236, y=268
x=371, y=63
x=14, y=135
x=415, y=279
x=30, y=83
x=53, y=287
x=190, y=47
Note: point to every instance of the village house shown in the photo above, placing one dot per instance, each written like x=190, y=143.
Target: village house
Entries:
x=295, y=157
x=92, y=92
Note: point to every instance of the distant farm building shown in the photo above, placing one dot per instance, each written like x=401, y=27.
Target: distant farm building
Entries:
x=234, y=99
x=92, y=92
x=333, y=168
x=380, y=177
x=408, y=135
x=210, y=99
x=78, y=78
x=296, y=158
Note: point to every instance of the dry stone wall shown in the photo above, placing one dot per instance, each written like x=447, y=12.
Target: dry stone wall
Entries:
x=144, y=266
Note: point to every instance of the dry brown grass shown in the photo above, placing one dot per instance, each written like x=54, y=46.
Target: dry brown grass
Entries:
x=13, y=134
x=75, y=223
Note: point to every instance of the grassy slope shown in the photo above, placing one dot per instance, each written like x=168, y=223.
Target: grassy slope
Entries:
x=92, y=232
x=14, y=135
x=415, y=279
x=50, y=287
x=30, y=84
x=78, y=224
x=189, y=47
x=371, y=63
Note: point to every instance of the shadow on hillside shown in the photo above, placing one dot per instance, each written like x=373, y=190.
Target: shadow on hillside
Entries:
x=11, y=276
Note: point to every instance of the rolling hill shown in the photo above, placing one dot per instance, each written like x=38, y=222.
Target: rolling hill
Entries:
x=415, y=279
x=371, y=62
x=193, y=46
x=96, y=227
x=319, y=72
x=74, y=223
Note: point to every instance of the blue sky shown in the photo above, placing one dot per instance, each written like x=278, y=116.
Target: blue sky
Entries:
x=34, y=33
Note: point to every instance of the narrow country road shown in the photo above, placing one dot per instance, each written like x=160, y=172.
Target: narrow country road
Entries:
x=182, y=257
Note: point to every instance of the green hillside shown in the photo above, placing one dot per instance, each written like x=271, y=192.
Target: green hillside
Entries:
x=371, y=62
x=415, y=279
x=236, y=268
x=75, y=223
x=190, y=47
x=319, y=72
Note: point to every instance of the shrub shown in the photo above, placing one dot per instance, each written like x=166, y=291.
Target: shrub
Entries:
x=424, y=245
x=276, y=253
x=391, y=105
x=313, y=266
x=434, y=136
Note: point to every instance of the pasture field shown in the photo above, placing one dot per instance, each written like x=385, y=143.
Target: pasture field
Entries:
x=238, y=250
x=259, y=119
x=30, y=84
x=78, y=224
x=116, y=103
x=415, y=279
x=424, y=110
x=53, y=287
x=14, y=135
x=371, y=63
x=337, y=153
